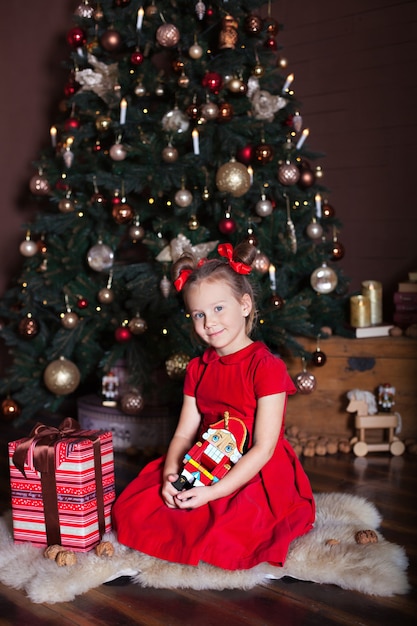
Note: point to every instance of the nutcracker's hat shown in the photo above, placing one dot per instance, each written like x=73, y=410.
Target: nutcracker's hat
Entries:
x=235, y=426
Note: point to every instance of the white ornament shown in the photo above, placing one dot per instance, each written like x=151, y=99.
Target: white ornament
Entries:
x=182, y=244
x=175, y=121
x=100, y=257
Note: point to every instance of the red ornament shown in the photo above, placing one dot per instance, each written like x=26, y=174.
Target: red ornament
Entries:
x=245, y=155
x=122, y=334
x=227, y=226
x=82, y=303
x=271, y=44
x=72, y=123
x=137, y=57
x=70, y=89
x=318, y=358
x=213, y=81
x=76, y=37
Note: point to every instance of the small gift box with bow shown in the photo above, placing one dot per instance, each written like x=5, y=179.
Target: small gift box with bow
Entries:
x=62, y=484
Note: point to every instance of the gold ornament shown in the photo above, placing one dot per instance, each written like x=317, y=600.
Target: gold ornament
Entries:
x=193, y=223
x=62, y=376
x=103, y=123
x=132, y=402
x=169, y=154
x=105, y=296
x=228, y=35
x=69, y=320
x=176, y=365
x=233, y=178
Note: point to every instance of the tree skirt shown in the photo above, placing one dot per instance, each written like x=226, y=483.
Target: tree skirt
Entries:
x=328, y=554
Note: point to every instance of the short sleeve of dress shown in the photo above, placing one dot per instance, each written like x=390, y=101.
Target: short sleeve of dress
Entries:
x=191, y=377
x=271, y=376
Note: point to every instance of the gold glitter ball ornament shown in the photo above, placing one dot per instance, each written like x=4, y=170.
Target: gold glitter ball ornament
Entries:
x=176, y=365
x=61, y=376
x=233, y=178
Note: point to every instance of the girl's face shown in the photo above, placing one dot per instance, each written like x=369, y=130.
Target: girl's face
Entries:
x=218, y=317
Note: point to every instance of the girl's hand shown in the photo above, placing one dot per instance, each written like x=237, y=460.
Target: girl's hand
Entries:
x=193, y=498
x=169, y=492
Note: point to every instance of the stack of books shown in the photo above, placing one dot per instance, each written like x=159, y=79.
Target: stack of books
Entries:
x=405, y=302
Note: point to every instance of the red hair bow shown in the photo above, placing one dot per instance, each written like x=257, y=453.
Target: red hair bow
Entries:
x=182, y=279
x=226, y=250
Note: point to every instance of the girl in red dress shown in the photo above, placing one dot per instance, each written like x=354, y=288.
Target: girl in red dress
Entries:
x=264, y=501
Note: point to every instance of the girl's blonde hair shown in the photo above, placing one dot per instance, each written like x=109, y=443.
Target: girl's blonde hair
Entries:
x=220, y=270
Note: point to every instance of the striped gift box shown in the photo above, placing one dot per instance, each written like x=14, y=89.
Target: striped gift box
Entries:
x=71, y=503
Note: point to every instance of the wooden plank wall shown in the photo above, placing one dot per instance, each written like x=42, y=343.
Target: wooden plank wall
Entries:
x=354, y=64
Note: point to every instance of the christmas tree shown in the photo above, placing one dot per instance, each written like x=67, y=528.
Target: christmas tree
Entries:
x=179, y=129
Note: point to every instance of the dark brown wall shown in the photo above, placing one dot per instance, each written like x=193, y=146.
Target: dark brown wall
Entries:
x=355, y=75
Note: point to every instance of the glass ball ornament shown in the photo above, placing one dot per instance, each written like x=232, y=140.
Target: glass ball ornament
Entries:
x=263, y=207
x=61, y=376
x=137, y=325
x=245, y=154
x=39, y=185
x=253, y=24
x=226, y=112
x=271, y=44
x=84, y=10
x=105, y=296
x=193, y=223
x=288, y=173
x=213, y=81
x=318, y=358
x=28, y=327
x=323, y=279
x=314, y=230
x=10, y=408
x=69, y=320
x=195, y=51
x=167, y=35
x=338, y=251
x=169, y=154
x=82, y=303
x=327, y=209
x=305, y=382
x=193, y=111
x=251, y=238
x=233, y=177
x=28, y=247
x=183, y=81
x=136, y=232
x=122, y=334
x=227, y=225
x=98, y=198
x=137, y=57
x=261, y=263
x=103, y=123
x=183, y=198
x=118, y=152
x=264, y=153
x=122, y=213
x=100, y=257
x=66, y=205
x=277, y=302
x=76, y=37
x=307, y=178
x=140, y=90
x=132, y=402
x=209, y=111
x=111, y=40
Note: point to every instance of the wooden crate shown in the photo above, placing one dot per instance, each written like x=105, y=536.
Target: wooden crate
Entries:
x=355, y=364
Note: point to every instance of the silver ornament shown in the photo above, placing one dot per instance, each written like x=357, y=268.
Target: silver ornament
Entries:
x=165, y=286
x=118, y=152
x=28, y=247
x=209, y=110
x=100, y=257
x=314, y=230
x=200, y=9
x=263, y=207
x=183, y=198
x=323, y=279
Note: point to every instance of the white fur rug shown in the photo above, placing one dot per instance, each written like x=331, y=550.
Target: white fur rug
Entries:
x=373, y=568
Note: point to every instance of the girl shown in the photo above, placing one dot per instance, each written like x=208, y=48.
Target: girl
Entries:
x=252, y=513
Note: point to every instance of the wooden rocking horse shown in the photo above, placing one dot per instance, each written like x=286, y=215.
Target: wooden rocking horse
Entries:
x=363, y=403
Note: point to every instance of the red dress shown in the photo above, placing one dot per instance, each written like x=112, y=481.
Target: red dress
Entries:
x=254, y=524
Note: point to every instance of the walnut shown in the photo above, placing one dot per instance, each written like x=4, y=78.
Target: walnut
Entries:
x=51, y=551
x=332, y=542
x=366, y=536
x=66, y=558
x=105, y=548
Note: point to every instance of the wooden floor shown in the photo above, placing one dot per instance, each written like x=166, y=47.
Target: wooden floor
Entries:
x=389, y=482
